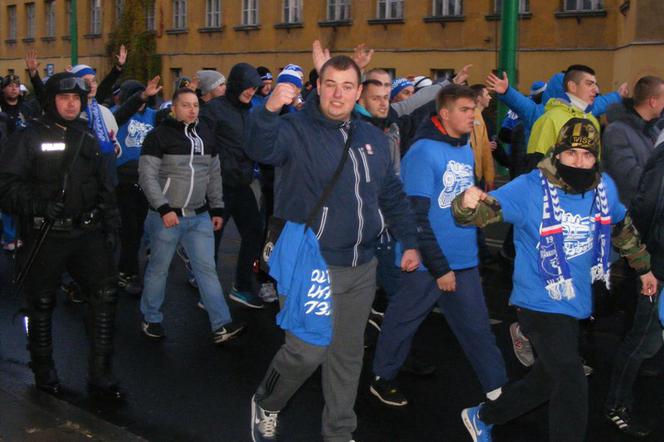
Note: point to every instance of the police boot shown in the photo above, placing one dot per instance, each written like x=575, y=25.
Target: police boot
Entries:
x=101, y=381
x=40, y=343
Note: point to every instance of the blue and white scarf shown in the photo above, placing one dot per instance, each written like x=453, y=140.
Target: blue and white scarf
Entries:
x=96, y=123
x=554, y=268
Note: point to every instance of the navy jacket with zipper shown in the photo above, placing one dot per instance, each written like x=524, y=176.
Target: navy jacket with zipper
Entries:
x=306, y=148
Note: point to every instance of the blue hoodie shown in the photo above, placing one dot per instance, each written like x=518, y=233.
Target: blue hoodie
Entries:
x=529, y=111
x=306, y=147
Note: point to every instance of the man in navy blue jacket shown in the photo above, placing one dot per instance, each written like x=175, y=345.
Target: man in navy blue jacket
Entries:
x=305, y=147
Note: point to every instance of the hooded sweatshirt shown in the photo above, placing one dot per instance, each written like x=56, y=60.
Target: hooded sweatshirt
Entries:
x=227, y=116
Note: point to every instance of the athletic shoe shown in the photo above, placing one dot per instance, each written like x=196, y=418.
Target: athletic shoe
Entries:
x=417, y=367
x=130, y=283
x=388, y=392
x=246, y=298
x=153, y=330
x=201, y=306
x=623, y=419
x=74, y=292
x=479, y=431
x=227, y=332
x=263, y=423
x=523, y=350
x=587, y=370
x=268, y=293
x=376, y=320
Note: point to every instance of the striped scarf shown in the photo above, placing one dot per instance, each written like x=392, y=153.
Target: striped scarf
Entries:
x=554, y=268
x=96, y=123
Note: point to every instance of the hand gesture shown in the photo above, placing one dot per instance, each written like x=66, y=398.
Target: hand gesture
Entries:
x=463, y=75
x=362, y=56
x=472, y=197
x=283, y=94
x=319, y=55
x=410, y=260
x=447, y=282
x=649, y=283
x=495, y=84
x=31, y=62
x=122, y=56
x=193, y=84
x=152, y=88
x=623, y=90
x=170, y=219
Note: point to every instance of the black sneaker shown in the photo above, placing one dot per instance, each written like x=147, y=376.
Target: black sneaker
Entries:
x=227, y=332
x=388, y=392
x=376, y=320
x=623, y=419
x=417, y=367
x=153, y=330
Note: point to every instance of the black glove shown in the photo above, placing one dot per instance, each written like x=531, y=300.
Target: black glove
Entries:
x=54, y=210
x=111, y=241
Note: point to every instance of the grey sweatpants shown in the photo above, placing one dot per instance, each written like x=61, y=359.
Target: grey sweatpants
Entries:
x=353, y=290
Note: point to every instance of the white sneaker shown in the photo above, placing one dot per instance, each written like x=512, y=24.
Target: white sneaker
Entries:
x=263, y=423
x=268, y=293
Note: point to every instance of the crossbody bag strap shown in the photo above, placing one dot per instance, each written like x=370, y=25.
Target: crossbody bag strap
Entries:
x=330, y=185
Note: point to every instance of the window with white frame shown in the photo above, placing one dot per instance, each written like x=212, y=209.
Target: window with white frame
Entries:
x=447, y=8
x=249, y=12
x=292, y=11
x=524, y=6
x=213, y=13
x=95, y=16
x=388, y=9
x=49, y=13
x=119, y=7
x=30, y=23
x=149, y=16
x=583, y=5
x=179, y=14
x=11, y=22
x=338, y=10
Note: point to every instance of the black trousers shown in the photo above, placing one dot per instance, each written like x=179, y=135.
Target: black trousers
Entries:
x=89, y=262
x=241, y=205
x=556, y=377
x=133, y=209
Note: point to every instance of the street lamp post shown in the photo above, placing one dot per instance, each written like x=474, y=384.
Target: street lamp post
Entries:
x=73, y=32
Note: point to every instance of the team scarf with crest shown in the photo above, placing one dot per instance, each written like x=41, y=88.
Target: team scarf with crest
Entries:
x=96, y=123
x=554, y=268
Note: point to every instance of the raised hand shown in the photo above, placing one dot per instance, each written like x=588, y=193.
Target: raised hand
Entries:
x=319, y=55
x=31, y=62
x=152, y=88
x=283, y=94
x=496, y=84
x=623, y=90
x=122, y=56
x=463, y=74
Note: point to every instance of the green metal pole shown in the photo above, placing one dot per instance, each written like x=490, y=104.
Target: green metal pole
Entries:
x=508, y=47
x=73, y=32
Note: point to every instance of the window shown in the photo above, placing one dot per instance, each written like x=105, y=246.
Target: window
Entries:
x=445, y=73
x=67, y=16
x=30, y=20
x=11, y=22
x=119, y=7
x=292, y=11
x=213, y=13
x=179, y=14
x=524, y=6
x=447, y=8
x=338, y=10
x=176, y=73
x=391, y=71
x=249, y=12
x=583, y=5
x=50, y=18
x=390, y=9
x=149, y=16
x=95, y=17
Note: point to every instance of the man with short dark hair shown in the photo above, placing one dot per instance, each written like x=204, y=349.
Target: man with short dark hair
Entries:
x=438, y=167
x=628, y=142
x=305, y=146
x=13, y=104
x=179, y=172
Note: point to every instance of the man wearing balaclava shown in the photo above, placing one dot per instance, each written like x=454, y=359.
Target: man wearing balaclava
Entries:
x=54, y=172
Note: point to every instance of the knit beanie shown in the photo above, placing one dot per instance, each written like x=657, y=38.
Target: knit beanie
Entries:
x=399, y=84
x=292, y=73
x=264, y=73
x=208, y=80
x=421, y=82
x=81, y=70
x=537, y=87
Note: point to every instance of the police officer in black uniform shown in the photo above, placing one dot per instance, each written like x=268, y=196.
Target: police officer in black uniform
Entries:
x=58, y=152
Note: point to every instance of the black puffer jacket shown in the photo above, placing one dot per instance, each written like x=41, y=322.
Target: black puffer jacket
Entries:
x=647, y=210
x=226, y=116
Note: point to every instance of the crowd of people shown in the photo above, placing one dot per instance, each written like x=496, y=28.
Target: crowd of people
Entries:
x=340, y=184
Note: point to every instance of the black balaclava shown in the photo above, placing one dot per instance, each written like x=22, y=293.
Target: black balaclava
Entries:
x=577, y=133
x=62, y=83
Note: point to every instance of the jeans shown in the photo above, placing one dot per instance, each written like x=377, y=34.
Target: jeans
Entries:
x=388, y=274
x=195, y=235
x=642, y=342
x=465, y=312
x=557, y=377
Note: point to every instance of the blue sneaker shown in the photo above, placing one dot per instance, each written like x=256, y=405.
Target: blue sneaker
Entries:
x=247, y=299
x=479, y=431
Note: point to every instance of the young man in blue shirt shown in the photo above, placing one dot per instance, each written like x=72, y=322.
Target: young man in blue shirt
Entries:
x=565, y=213
x=438, y=167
